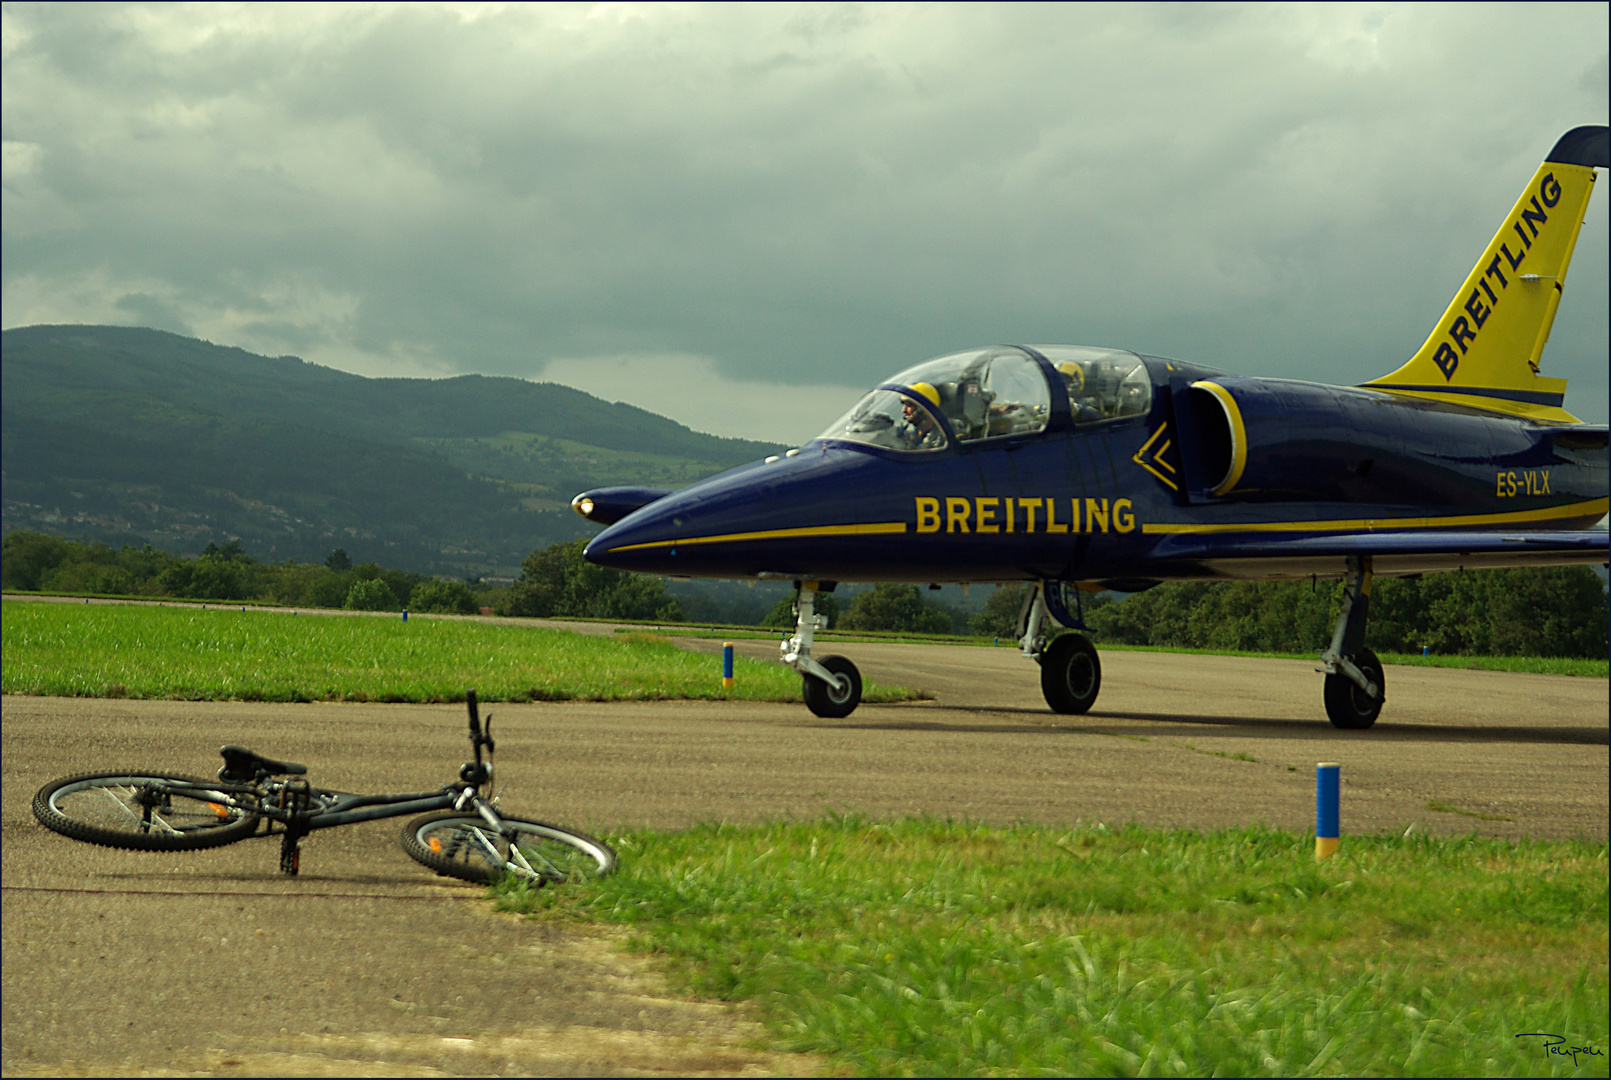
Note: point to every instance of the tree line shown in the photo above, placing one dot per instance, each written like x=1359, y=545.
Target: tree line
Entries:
x=32, y=561
x=1551, y=611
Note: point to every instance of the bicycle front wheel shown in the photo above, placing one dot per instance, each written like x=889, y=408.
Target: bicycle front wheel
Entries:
x=145, y=811
x=465, y=846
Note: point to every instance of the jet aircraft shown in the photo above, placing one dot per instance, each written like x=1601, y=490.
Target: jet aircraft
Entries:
x=1078, y=468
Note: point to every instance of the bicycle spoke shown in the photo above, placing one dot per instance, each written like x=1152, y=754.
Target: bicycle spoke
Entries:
x=113, y=794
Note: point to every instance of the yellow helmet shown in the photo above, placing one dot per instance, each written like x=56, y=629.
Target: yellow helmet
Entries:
x=929, y=392
x=1074, y=374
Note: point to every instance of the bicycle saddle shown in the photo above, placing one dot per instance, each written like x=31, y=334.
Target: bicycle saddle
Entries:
x=245, y=765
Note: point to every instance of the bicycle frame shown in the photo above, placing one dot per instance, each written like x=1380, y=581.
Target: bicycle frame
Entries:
x=300, y=808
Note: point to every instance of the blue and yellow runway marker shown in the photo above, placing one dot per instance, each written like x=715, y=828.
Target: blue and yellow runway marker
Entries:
x=727, y=665
x=1327, y=830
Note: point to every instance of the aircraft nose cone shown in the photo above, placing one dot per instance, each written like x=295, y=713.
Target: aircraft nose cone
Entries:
x=636, y=542
x=769, y=518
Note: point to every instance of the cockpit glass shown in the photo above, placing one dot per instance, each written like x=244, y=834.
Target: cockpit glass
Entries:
x=889, y=419
x=995, y=393
x=1102, y=384
x=982, y=393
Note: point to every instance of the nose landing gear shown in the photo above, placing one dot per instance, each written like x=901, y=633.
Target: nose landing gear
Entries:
x=831, y=686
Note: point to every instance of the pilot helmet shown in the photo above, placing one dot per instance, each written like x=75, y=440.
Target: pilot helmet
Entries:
x=928, y=391
x=1074, y=375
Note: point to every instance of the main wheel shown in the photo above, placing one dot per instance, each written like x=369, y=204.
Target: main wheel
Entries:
x=462, y=846
x=1349, y=707
x=1070, y=674
x=146, y=811
x=828, y=701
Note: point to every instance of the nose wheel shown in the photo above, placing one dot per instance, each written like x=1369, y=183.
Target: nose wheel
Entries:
x=833, y=700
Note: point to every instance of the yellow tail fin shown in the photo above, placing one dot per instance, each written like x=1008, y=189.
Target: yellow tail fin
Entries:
x=1484, y=350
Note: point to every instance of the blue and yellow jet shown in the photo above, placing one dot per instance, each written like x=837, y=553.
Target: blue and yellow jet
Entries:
x=1080, y=468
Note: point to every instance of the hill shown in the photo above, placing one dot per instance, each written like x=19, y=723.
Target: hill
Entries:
x=128, y=434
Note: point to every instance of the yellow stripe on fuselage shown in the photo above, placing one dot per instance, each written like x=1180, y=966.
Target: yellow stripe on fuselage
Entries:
x=891, y=528
x=881, y=528
x=1515, y=517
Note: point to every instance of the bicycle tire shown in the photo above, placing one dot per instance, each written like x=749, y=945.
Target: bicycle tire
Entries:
x=125, y=809
x=454, y=844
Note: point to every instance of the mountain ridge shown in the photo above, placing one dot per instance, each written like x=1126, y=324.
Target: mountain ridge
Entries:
x=129, y=433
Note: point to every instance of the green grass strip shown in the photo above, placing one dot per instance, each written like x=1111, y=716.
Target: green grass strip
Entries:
x=924, y=947
x=187, y=653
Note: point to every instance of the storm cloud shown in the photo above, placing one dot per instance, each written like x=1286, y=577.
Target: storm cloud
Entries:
x=739, y=216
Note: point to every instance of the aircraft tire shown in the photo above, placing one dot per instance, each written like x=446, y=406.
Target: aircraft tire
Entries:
x=1070, y=674
x=824, y=700
x=1349, y=707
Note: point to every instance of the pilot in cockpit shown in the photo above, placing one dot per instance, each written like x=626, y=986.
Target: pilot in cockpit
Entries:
x=1080, y=402
x=918, y=430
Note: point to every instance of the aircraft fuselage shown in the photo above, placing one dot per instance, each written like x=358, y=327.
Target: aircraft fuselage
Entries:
x=1129, y=497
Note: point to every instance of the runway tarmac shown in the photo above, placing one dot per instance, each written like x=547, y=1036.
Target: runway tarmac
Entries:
x=211, y=962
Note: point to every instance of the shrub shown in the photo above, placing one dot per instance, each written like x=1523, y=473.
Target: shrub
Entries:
x=444, y=597
x=371, y=594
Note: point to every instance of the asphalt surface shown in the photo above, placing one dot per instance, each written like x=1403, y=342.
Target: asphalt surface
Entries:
x=366, y=964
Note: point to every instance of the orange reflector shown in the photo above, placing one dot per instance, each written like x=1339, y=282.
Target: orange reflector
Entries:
x=436, y=845
x=220, y=809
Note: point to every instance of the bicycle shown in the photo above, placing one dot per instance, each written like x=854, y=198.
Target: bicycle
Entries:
x=460, y=833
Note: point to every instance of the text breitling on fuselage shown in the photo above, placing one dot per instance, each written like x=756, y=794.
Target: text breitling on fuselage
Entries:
x=1461, y=333
x=1004, y=514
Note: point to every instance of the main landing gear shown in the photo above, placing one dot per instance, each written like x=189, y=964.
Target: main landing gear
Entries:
x=1355, y=688
x=832, y=685
x=1070, y=673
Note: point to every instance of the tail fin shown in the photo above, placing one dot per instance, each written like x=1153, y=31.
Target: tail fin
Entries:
x=1484, y=350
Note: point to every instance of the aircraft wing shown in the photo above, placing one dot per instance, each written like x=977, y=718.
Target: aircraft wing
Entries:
x=1393, y=554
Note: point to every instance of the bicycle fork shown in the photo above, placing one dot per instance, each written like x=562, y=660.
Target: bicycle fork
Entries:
x=517, y=857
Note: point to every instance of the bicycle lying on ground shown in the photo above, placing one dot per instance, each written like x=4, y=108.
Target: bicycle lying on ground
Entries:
x=465, y=837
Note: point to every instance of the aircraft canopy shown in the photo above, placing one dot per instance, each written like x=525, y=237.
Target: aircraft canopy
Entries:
x=1102, y=384
x=994, y=393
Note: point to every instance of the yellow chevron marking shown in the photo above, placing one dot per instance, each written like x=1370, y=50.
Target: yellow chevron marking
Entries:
x=1157, y=456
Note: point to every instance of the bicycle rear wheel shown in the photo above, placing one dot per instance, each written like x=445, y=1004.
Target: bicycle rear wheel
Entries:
x=465, y=846
x=145, y=811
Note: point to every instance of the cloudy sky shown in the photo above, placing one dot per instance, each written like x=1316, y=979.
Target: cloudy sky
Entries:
x=740, y=216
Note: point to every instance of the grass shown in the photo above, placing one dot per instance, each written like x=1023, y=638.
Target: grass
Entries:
x=923, y=947
x=188, y=653
x=1592, y=668
x=1538, y=665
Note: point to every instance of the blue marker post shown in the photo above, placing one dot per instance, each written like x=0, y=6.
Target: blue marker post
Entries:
x=1327, y=816
x=405, y=614
x=727, y=665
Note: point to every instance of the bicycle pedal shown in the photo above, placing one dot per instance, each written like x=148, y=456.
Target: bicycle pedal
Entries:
x=290, y=855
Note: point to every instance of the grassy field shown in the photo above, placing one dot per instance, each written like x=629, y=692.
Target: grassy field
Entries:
x=1543, y=665
x=916, y=947
x=190, y=653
